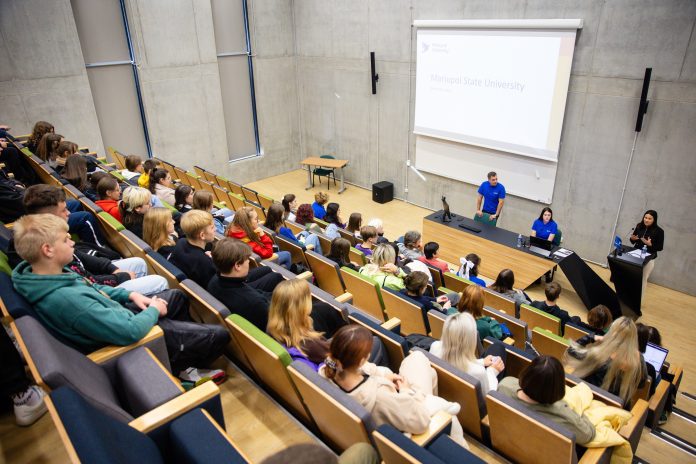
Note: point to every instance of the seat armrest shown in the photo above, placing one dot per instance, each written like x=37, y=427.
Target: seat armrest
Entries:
x=438, y=424
x=305, y=276
x=596, y=456
x=393, y=325
x=175, y=408
x=111, y=352
x=631, y=431
x=345, y=298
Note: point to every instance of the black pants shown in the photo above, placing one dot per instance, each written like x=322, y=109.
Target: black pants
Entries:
x=497, y=349
x=16, y=163
x=189, y=344
x=326, y=318
x=263, y=278
x=12, y=377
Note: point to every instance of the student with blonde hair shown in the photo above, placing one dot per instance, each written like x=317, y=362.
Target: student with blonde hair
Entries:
x=245, y=227
x=612, y=362
x=320, y=199
x=383, y=268
x=458, y=347
x=158, y=231
x=191, y=254
x=135, y=202
x=290, y=323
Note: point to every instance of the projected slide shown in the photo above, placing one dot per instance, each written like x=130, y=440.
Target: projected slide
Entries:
x=500, y=89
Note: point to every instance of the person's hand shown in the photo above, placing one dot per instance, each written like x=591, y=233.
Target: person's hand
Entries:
x=391, y=268
x=498, y=364
x=447, y=304
x=394, y=378
x=209, y=254
x=402, y=384
x=493, y=216
x=647, y=241
x=634, y=238
x=479, y=213
x=441, y=298
x=598, y=338
x=140, y=300
x=487, y=361
x=259, y=231
x=160, y=304
x=121, y=271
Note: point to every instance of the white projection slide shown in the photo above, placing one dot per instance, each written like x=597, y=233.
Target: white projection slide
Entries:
x=499, y=89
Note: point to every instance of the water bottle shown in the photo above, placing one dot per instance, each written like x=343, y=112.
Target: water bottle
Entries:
x=519, y=241
x=644, y=252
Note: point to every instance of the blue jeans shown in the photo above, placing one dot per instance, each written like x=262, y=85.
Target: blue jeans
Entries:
x=284, y=259
x=143, y=283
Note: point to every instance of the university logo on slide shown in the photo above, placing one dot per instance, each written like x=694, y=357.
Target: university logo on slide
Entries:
x=426, y=47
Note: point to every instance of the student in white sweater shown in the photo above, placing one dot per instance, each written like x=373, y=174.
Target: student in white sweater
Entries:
x=458, y=347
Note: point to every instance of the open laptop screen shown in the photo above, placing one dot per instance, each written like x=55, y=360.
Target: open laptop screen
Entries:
x=655, y=355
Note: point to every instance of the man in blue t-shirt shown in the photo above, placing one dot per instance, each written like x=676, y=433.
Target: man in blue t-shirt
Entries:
x=493, y=195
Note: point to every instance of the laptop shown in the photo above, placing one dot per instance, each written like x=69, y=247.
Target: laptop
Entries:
x=540, y=246
x=655, y=355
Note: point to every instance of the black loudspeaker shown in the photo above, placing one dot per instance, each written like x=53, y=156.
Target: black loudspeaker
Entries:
x=382, y=192
x=643, y=105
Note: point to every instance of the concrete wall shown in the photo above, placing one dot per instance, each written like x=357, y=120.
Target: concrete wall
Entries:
x=619, y=40
x=42, y=76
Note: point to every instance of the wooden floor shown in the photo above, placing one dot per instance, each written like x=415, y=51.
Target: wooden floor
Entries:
x=261, y=428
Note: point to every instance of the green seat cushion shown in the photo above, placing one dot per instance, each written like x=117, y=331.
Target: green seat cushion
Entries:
x=263, y=338
x=112, y=221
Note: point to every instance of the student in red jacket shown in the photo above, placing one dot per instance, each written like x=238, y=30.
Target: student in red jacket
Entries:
x=109, y=193
x=245, y=227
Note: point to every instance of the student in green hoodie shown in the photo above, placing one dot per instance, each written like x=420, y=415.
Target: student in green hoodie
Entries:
x=92, y=315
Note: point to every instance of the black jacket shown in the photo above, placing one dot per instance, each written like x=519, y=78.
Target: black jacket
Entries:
x=653, y=232
x=193, y=262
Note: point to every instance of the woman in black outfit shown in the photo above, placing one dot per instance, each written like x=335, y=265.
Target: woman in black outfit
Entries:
x=648, y=233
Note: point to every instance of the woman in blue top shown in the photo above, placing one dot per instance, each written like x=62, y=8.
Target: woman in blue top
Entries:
x=545, y=227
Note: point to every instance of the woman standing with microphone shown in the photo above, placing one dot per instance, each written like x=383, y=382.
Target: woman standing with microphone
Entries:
x=648, y=234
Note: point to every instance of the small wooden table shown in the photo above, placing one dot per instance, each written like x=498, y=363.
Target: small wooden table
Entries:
x=324, y=163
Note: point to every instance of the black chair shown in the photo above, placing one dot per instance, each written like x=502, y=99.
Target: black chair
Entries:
x=328, y=173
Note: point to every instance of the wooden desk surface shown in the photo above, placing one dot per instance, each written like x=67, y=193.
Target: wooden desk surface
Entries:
x=456, y=243
x=324, y=162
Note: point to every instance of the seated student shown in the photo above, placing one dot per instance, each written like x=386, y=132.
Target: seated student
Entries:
x=92, y=315
x=160, y=185
x=612, y=362
x=545, y=227
x=109, y=193
x=354, y=224
x=203, y=200
x=504, y=284
x=290, y=323
x=274, y=221
x=247, y=292
x=289, y=206
x=411, y=246
x=305, y=217
x=368, y=235
x=75, y=172
x=135, y=202
x=431, y=257
x=406, y=400
x=28, y=400
x=245, y=227
x=11, y=198
x=94, y=178
x=541, y=388
x=190, y=254
x=458, y=347
x=383, y=268
x=650, y=334
x=47, y=147
x=42, y=198
x=415, y=285
x=134, y=167
x=16, y=162
x=333, y=211
x=472, y=302
x=379, y=225
x=599, y=319
x=40, y=129
x=553, y=292
x=320, y=199
x=470, y=269
x=183, y=198
x=149, y=167
x=66, y=149
x=339, y=254
x=158, y=231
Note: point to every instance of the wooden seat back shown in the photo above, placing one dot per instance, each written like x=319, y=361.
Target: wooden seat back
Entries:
x=574, y=332
x=250, y=194
x=499, y=302
x=265, y=201
x=437, y=323
x=454, y=282
x=367, y=295
x=537, y=318
x=326, y=273
x=356, y=256
x=256, y=207
x=548, y=343
x=517, y=327
x=297, y=254
x=348, y=236
x=411, y=315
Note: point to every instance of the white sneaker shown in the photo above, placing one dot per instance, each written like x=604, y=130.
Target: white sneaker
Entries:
x=198, y=376
x=29, y=406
